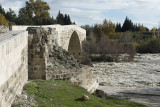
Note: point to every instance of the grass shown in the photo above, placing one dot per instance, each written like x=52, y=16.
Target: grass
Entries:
x=64, y=94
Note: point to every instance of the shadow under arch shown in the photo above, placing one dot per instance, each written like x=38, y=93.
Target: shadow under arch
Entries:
x=75, y=46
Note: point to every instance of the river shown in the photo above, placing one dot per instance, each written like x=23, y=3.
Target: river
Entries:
x=137, y=81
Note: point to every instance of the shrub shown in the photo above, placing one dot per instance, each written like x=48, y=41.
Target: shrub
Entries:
x=112, y=47
x=101, y=58
x=3, y=20
x=152, y=47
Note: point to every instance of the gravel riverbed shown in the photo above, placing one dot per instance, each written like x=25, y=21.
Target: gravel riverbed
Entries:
x=138, y=81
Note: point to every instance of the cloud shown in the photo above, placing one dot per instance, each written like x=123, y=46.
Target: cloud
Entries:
x=94, y=11
x=13, y=4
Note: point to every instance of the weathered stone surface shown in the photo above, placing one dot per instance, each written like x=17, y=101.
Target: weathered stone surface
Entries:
x=46, y=59
x=85, y=78
x=14, y=67
x=24, y=100
x=3, y=29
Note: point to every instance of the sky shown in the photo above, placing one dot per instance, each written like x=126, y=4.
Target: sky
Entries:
x=146, y=12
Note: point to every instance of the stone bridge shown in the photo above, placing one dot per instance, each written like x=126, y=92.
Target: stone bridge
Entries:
x=14, y=57
x=70, y=37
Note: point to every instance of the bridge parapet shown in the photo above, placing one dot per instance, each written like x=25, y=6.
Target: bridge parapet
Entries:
x=13, y=65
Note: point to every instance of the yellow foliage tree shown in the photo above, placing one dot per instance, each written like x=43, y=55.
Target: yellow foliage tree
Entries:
x=108, y=28
x=3, y=20
x=154, y=33
x=154, y=37
x=37, y=10
x=142, y=29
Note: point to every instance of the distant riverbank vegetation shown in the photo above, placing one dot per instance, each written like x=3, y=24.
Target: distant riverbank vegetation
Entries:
x=115, y=39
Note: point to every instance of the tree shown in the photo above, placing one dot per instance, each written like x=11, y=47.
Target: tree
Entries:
x=142, y=29
x=24, y=18
x=60, y=19
x=2, y=11
x=11, y=16
x=41, y=11
x=108, y=28
x=49, y=21
x=29, y=8
x=63, y=19
x=97, y=30
x=38, y=11
x=88, y=29
x=68, y=20
x=127, y=25
x=3, y=20
x=154, y=33
x=118, y=27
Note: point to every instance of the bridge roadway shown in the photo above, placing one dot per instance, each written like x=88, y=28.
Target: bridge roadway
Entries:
x=8, y=35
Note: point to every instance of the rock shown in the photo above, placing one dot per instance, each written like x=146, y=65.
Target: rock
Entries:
x=101, y=93
x=84, y=97
x=103, y=84
x=102, y=58
x=25, y=97
x=24, y=100
x=3, y=29
x=88, y=62
x=22, y=96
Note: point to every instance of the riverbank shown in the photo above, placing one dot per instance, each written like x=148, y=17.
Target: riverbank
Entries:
x=60, y=93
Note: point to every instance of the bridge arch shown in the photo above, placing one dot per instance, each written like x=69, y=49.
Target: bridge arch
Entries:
x=74, y=46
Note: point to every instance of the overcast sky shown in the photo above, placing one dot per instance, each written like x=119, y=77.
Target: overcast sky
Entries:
x=146, y=12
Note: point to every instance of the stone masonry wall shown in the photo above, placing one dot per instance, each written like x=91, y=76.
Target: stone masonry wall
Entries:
x=13, y=66
x=46, y=59
x=39, y=40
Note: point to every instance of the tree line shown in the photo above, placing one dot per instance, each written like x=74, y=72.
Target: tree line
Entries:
x=113, y=30
x=128, y=25
x=34, y=13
